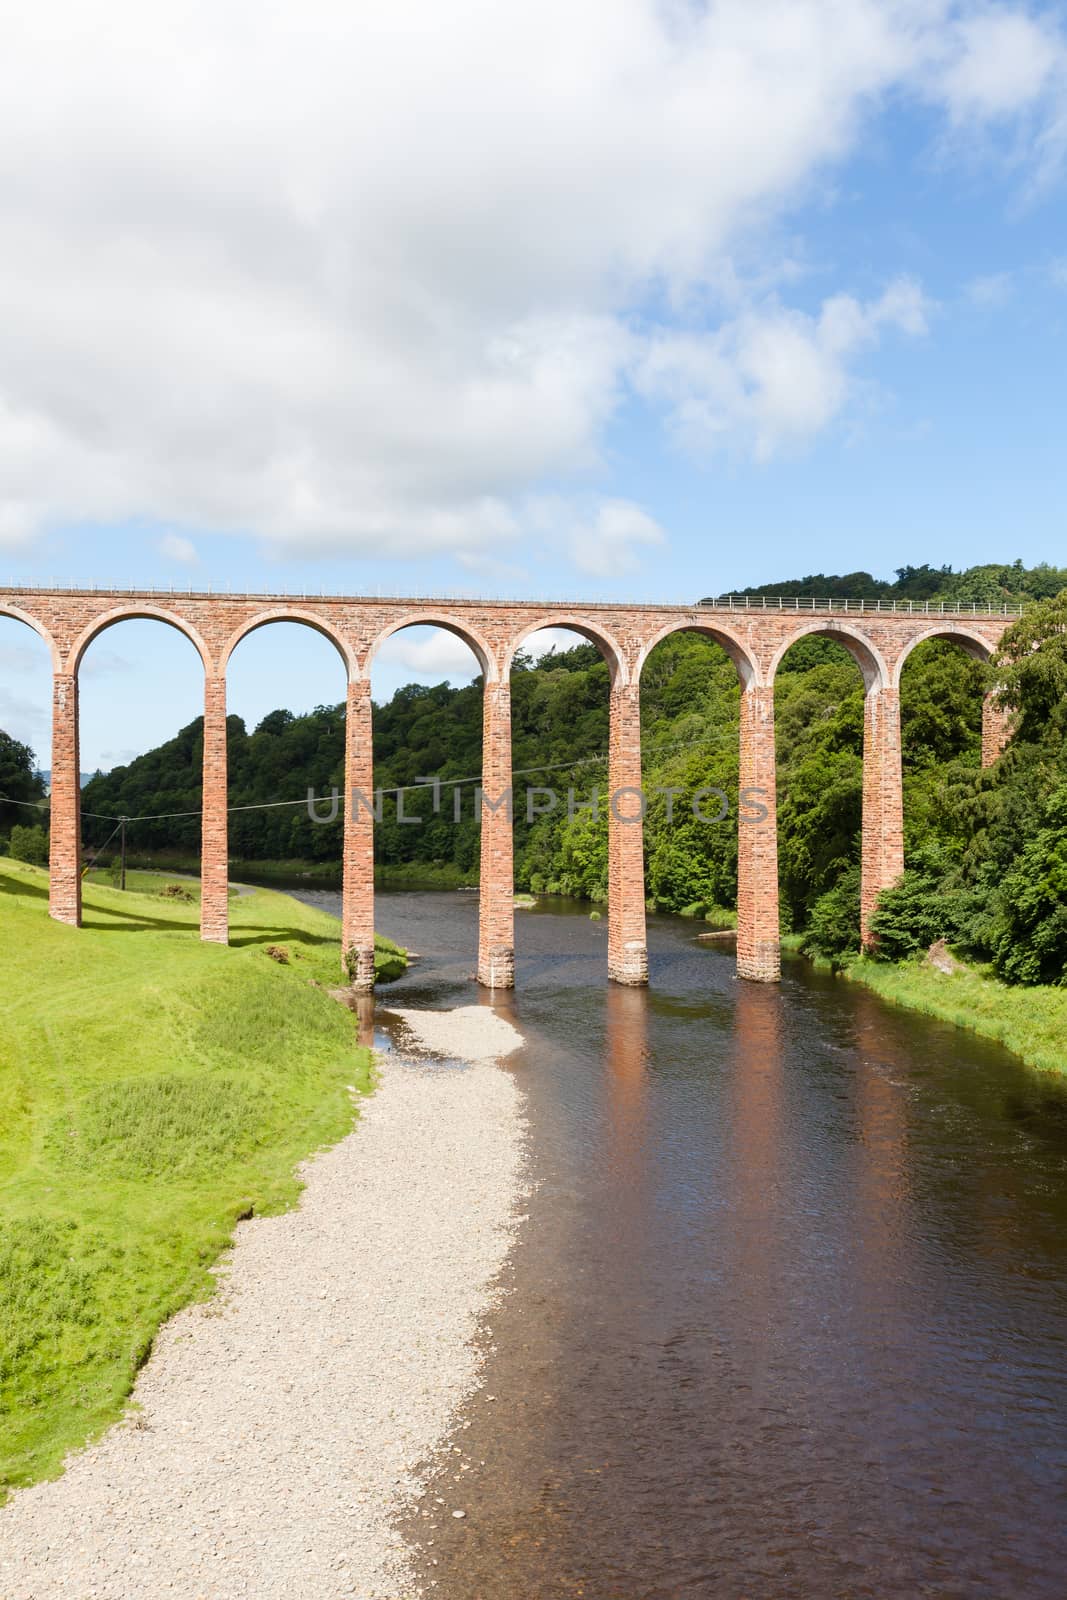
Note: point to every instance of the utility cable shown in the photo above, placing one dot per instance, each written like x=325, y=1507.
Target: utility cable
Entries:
x=405, y=788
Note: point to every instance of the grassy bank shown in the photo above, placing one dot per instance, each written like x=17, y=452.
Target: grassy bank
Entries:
x=187, y=863
x=424, y=875
x=1030, y=1022
x=152, y=1090
x=413, y=874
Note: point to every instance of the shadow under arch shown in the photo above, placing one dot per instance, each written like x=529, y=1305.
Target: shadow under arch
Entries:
x=294, y=614
x=574, y=623
x=866, y=654
x=738, y=652
x=969, y=641
x=31, y=622
x=475, y=642
x=138, y=613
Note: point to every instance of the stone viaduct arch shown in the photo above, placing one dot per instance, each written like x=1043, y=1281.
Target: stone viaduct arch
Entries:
x=137, y=613
x=755, y=635
x=18, y=615
x=627, y=951
x=996, y=729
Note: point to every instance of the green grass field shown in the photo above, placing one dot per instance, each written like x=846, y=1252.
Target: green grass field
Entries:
x=1030, y=1022
x=153, y=1089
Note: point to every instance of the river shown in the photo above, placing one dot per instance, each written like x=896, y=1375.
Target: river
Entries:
x=789, y=1314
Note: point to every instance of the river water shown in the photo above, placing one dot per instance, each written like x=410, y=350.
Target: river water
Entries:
x=789, y=1314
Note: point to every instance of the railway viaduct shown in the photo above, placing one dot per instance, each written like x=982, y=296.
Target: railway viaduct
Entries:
x=754, y=633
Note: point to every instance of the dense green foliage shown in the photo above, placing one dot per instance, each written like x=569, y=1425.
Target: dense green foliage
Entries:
x=29, y=843
x=992, y=878
x=995, y=584
x=20, y=786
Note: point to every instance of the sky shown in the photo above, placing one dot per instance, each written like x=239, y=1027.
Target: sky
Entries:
x=637, y=299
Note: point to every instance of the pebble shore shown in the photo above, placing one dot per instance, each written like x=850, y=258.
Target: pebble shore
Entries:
x=283, y=1428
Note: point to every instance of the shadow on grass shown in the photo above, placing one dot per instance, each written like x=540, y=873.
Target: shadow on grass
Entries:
x=137, y=922
x=114, y=919
x=249, y=936
x=132, y=921
x=20, y=886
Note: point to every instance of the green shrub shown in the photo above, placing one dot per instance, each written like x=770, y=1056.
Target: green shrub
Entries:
x=1031, y=942
x=919, y=910
x=834, y=930
x=29, y=843
x=720, y=917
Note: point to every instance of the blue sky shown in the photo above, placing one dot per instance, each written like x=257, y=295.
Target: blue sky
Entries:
x=649, y=301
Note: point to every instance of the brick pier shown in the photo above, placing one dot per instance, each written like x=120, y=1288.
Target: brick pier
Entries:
x=755, y=636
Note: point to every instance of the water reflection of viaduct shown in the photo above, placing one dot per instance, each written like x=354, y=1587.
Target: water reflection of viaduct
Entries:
x=755, y=639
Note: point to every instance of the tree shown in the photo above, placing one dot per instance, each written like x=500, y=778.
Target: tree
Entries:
x=30, y=844
x=19, y=781
x=1031, y=945
x=919, y=909
x=1030, y=668
x=834, y=929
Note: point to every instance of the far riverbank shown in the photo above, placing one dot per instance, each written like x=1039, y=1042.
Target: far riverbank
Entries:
x=1031, y=1023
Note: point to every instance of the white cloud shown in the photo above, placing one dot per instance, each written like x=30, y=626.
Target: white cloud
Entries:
x=1002, y=62
x=175, y=547
x=603, y=539
x=612, y=540
x=25, y=687
x=364, y=278
x=109, y=759
x=548, y=640
x=773, y=377
x=99, y=662
x=24, y=659
x=27, y=719
x=993, y=290
x=431, y=654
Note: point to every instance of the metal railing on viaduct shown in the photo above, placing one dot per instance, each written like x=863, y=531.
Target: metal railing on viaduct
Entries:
x=754, y=632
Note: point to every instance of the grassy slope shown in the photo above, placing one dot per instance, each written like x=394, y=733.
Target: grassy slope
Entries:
x=421, y=874
x=1030, y=1022
x=152, y=1089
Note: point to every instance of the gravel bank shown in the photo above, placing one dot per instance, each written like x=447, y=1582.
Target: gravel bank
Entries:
x=282, y=1426
x=469, y=1033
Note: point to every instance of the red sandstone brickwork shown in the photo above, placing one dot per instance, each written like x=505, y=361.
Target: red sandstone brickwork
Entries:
x=996, y=729
x=758, y=942
x=65, y=884
x=627, y=944
x=496, y=911
x=214, y=850
x=883, y=801
x=357, y=895
x=754, y=638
